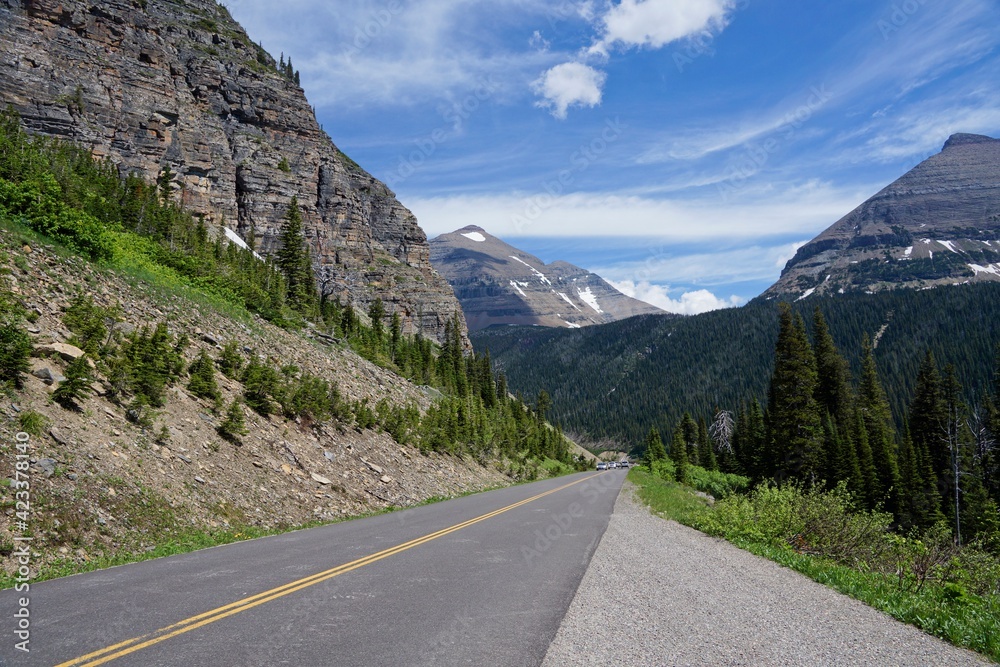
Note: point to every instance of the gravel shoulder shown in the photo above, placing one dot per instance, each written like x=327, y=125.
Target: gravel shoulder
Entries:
x=659, y=593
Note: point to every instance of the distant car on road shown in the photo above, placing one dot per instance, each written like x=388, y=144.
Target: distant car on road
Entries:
x=625, y=464
x=602, y=466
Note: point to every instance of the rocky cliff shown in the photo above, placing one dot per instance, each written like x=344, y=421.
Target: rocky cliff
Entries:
x=937, y=225
x=176, y=90
x=499, y=284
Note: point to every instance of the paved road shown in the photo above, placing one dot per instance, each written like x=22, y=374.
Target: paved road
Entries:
x=415, y=587
x=687, y=599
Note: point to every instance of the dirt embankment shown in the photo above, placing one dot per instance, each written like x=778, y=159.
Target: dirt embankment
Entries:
x=100, y=483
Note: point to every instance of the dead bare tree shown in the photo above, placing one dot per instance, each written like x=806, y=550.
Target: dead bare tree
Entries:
x=721, y=430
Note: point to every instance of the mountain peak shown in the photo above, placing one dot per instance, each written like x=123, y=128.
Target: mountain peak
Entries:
x=962, y=138
x=500, y=284
x=938, y=224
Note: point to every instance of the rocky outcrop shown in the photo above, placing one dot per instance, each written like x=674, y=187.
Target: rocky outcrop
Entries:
x=177, y=88
x=499, y=284
x=938, y=224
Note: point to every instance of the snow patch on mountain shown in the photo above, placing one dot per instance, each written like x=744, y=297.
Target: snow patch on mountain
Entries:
x=235, y=238
x=568, y=300
x=516, y=285
x=989, y=268
x=541, y=276
x=475, y=236
x=588, y=298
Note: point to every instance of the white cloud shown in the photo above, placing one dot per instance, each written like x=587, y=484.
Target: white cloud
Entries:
x=801, y=211
x=569, y=84
x=631, y=23
x=690, y=303
x=654, y=23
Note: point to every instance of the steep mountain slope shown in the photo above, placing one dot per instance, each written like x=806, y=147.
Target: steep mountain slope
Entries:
x=178, y=92
x=104, y=485
x=618, y=379
x=498, y=284
x=937, y=225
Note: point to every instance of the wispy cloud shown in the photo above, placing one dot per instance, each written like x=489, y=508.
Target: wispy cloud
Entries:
x=705, y=266
x=803, y=209
x=399, y=52
x=933, y=41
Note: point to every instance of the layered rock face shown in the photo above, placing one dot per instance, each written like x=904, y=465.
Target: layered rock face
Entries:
x=938, y=224
x=161, y=86
x=499, y=284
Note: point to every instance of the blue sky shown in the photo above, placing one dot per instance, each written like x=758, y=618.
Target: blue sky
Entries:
x=682, y=149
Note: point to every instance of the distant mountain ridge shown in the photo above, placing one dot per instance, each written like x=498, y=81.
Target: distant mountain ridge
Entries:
x=497, y=283
x=939, y=224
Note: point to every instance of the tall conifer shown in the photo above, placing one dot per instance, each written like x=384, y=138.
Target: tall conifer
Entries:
x=795, y=429
x=878, y=424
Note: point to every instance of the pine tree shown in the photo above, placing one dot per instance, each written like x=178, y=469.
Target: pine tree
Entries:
x=655, y=451
x=867, y=484
x=295, y=264
x=15, y=350
x=795, y=429
x=542, y=406
x=202, y=383
x=230, y=361
x=749, y=441
x=927, y=419
x=396, y=338
x=706, y=455
x=234, y=425
x=911, y=512
x=376, y=313
x=678, y=454
x=878, y=425
x=833, y=392
x=75, y=386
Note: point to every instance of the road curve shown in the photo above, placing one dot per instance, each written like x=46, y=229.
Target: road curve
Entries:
x=484, y=579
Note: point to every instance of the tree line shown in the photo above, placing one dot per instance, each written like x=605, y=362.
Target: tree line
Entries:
x=823, y=425
x=614, y=381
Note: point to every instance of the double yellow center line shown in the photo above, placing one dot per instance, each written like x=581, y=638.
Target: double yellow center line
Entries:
x=128, y=646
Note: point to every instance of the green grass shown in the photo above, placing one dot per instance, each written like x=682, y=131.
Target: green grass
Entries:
x=668, y=499
x=32, y=423
x=945, y=611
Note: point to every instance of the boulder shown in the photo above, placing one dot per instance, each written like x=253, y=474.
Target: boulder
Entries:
x=49, y=376
x=64, y=350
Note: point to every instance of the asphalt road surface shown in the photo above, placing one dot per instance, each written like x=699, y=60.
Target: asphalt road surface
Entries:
x=480, y=580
